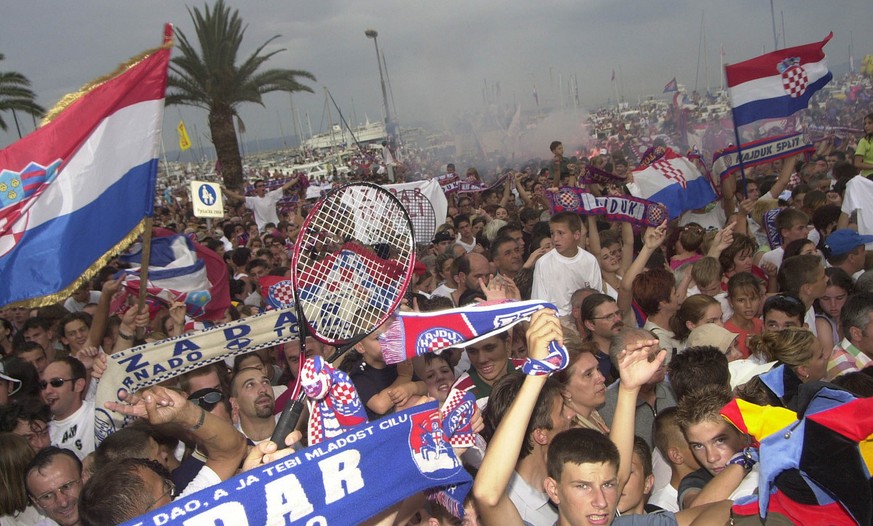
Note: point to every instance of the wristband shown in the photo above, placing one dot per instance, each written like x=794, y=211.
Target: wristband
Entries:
x=555, y=361
x=199, y=423
x=123, y=336
x=747, y=458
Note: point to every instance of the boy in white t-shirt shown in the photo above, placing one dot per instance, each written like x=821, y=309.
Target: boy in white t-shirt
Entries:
x=566, y=268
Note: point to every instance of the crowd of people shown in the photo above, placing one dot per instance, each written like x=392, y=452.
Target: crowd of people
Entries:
x=664, y=326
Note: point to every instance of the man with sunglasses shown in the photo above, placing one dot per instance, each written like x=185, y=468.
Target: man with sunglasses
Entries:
x=72, y=426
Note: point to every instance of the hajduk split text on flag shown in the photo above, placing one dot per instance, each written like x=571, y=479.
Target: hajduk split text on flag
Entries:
x=674, y=181
x=76, y=191
x=777, y=84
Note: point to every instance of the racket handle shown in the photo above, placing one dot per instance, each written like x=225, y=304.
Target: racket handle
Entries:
x=288, y=421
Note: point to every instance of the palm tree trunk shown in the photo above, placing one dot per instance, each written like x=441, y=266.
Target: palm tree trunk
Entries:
x=226, y=146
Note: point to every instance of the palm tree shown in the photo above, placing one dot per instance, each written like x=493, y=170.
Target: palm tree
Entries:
x=212, y=80
x=15, y=95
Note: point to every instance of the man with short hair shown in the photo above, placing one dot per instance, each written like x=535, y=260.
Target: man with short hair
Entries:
x=440, y=242
x=53, y=479
x=489, y=361
x=792, y=224
x=27, y=418
x=75, y=330
x=63, y=384
x=601, y=317
x=39, y=330
x=845, y=249
x=263, y=203
x=34, y=354
x=252, y=396
x=470, y=269
x=81, y=297
x=783, y=311
x=465, y=232
x=804, y=277
x=855, y=352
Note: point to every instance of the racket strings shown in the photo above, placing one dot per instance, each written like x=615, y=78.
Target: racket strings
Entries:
x=352, y=268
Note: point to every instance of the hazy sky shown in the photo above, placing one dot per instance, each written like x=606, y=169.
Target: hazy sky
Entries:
x=439, y=54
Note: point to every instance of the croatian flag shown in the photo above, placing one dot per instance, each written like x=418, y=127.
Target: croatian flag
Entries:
x=674, y=181
x=671, y=86
x=76, y=190
x=777, y=84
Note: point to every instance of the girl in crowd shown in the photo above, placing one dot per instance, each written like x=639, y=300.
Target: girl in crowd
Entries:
x=614, y=252
x=584, y=387
x=744, y=296
x=686, y=245
x=828, y=307
x=864, y=151
x=695, y=311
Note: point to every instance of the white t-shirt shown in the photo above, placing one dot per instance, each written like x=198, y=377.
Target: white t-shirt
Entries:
x=556, y=278
x=467, y=246
x=858, y=196
x=204, y=479
x=713, y=219
x=444, y=291
x=76, y=432
x=264, y=208
x=74, y=306
x=809, y=320
x=666, y=498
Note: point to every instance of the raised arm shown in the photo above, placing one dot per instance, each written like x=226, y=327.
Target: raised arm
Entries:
x=226, y=446
x=652, y=240
x=489, y=488
x=784, y=176
x=636, y=369
x=291, y=182
x=98, y=324
x=236, y=196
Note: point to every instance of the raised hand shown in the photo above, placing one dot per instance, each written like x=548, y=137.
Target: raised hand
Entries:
x=639, y=362
x=654, y=237
x=158, y=405
x=544, y=329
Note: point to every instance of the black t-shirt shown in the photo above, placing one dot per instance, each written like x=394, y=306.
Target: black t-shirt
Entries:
x=370, y=381
x=693, y=481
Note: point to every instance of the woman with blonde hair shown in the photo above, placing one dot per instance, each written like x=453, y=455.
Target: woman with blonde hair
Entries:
x=15, y=507
x=584, y=387
x=797, y=348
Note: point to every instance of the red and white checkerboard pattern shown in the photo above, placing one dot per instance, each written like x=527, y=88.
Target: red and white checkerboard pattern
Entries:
x=795, y=81
x=671, y=172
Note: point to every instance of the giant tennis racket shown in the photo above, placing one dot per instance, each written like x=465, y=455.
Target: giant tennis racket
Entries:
x=351, y=266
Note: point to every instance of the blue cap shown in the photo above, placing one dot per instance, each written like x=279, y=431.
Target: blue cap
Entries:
x=845, y=240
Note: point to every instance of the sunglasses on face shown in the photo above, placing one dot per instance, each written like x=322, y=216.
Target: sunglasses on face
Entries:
x=54, y=382
x=209, y=399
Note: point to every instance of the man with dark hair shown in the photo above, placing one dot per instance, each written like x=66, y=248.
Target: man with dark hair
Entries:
x=601, y=318
x=698, y=366
x=75, y=331
x=804, y=277
x=27, y=418
x=559, y=168
x=783, y=311
x=128, y=442
x=855, y=352
x=34, y=354
x=792, y=224
x=63, y=384
x=465, y=232
x=53, y=479
x=263, y=203
x=470, y=268
x=252, y=397
x=489, y=362
x=39, y=330
x=549, y=418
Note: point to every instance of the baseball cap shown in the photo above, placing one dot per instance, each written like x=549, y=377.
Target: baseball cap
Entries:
x=442, y=236
x=845, y=240
x=4, y=376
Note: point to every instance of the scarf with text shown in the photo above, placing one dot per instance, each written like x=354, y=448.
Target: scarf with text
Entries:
x=623, y=208
x=344, y=480
x=726, y=161
x=147, y=365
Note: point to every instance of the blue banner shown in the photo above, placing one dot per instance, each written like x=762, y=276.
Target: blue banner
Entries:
x=344, y=480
